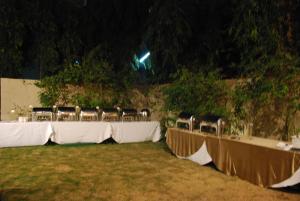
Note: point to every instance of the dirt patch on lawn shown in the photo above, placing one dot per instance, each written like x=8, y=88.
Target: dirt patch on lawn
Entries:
x=63, y=168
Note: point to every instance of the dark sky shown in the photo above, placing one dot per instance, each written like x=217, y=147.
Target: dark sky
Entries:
x=40, y=37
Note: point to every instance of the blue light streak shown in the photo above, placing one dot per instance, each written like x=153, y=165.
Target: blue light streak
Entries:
x=144, y=57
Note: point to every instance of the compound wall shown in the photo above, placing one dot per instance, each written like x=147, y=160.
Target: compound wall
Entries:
x=18, y=93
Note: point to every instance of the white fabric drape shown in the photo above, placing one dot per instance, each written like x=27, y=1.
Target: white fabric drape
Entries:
x=125, y=132
x=201, y=157
x=15, y=134
x=80, y=132
x=293, y=180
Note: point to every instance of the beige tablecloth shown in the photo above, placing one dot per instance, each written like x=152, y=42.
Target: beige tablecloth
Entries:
x=261, y=165
x=184, y=143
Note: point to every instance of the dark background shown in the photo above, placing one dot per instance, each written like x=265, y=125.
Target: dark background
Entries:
x=39, y=38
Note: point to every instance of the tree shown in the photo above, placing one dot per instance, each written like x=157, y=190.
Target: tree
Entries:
x=255, y=31
x=42, y=32
x=197, y=93
x=11, y=40
x=166, y=36
x=269, y=63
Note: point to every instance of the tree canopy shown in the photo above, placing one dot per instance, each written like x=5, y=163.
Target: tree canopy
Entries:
x=39, y=38
x=193, y=44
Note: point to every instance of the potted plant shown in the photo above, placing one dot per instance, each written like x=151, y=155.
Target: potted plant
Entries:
x=20, y=113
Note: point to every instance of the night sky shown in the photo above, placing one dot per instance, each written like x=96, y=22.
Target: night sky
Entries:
x=39, y=38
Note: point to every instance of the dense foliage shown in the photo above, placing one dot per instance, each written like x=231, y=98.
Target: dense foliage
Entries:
x=89, y=84
x=39, y=37
x=270, y=94
x=197, y=93
x=91, y=45
x=267, y=59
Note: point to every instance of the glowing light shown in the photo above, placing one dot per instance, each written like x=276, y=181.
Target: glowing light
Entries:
x=144, y=57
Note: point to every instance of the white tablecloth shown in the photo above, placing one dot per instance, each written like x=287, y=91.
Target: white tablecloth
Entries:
x=37, y=133
x=125, y=132
x=15, y=134
x=80, y=132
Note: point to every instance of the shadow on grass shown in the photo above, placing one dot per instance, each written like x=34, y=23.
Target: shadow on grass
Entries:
x=69, y=145
x=212, y=166
x=164, y=146
x=107, y=141
x=15, y=194
x=50, y=143
x=290, y=189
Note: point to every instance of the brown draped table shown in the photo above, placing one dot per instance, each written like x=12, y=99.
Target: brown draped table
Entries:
x=256, y=160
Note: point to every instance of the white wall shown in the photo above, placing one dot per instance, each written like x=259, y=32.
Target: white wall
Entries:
x=17, y=92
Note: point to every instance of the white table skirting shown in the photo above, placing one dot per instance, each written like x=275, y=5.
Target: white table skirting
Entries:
x=293, y=180
x=14, y=134
x=201, y=156
x=80, y=132
x=126, y=132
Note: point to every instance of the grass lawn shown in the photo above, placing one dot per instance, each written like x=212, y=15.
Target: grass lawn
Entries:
x=141, y=171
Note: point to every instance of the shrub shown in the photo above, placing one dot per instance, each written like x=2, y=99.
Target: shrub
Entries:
x=272, y=92
x=197, y=93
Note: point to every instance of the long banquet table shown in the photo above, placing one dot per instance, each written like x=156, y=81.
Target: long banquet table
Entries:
x=256, y=160
x=80, y=132
x=13, y=134
x=123, y=132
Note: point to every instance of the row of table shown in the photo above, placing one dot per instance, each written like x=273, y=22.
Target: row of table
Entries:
x=14, y=134
x=256, y=160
